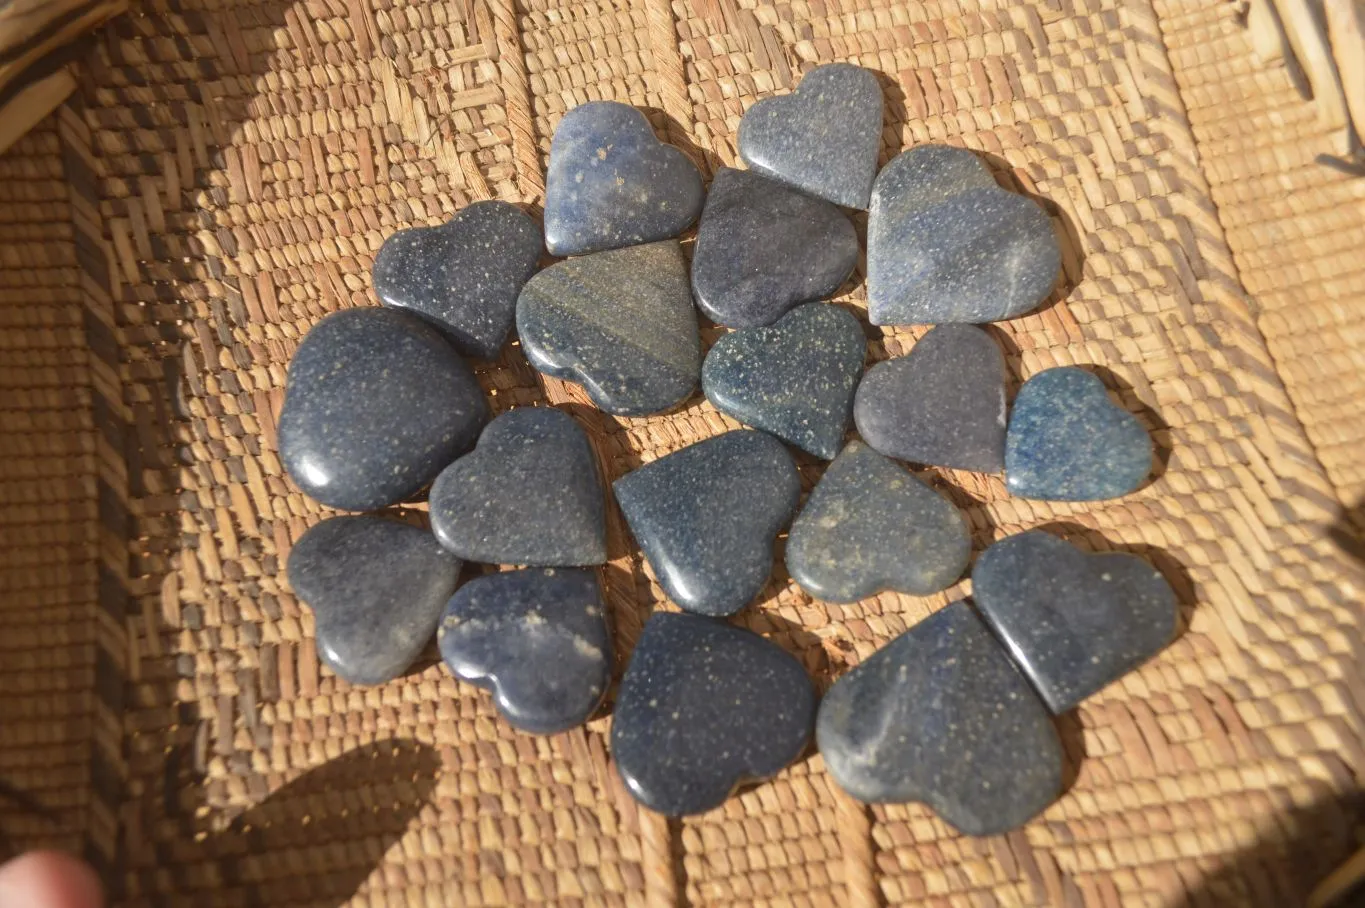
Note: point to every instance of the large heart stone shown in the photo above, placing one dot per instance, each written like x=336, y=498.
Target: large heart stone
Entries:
x=620, y=322
x=822, y=138
x=706, y=517
x=1074, y=622
x=703, y=708
x=612, y=183
x=870, y=526
x=763, y=248
x=795, y=379
x=463, y=276
x=940, y=715
x=537, y=639
x=942, y=404
x=1068, y=441
x=377, y=403
x=946, y=244
x=527, y=494
x=376, y=588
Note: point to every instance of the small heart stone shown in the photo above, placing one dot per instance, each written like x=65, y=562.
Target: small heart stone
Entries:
x=612, y=183
x=795, y=379
x=1068, y=441
x=763, y=248
x=376, y=404
x=527, y=494
x=537, y=639
x=940, y=715
x=463, y=276
x=620, y=322
x=706, y=517
x=946, y=244
x=870, y=526
x=376, y=588
x=1075, y=622
x=942, y=404
x=822, y=138
x=705, y=707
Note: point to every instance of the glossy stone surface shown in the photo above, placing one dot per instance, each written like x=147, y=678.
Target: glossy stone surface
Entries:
x=528, y=493
x=1068, y=441
x=376, y=588
x=763, y=248
x=822, y=138
x=945, y=243
x=870, y=526
x=376, y=404
x=703, y=708
x=706, y=517
x=1073, y=621
x=537, y=639
x=941, y=404
x=620, y=322
x=463, y=276
x=612, y=183
x=940, y=715
x=795, y=379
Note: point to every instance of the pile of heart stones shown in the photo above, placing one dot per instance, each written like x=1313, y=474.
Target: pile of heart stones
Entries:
x=958, y=711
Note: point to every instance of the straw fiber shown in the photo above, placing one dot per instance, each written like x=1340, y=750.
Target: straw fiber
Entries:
x=224, y=175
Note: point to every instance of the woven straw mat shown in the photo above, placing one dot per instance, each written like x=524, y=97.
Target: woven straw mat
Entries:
x=224, y=177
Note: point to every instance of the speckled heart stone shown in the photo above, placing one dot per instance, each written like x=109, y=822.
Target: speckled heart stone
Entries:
x=537, y=639
x=1068, y=441
x=705, y=707
x=1075, y=622
x=612, y=183
x=463, y=276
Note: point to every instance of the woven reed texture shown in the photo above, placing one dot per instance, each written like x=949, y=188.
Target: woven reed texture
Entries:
x=225, y=176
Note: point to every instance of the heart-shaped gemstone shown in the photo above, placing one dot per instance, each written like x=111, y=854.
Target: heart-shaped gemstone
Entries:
x=1074, y=621
x=870, y=526
x=822, y=138
x=795, y=379
x=703, y=708
x=463, y=276
x=943, y=404
x=537, y=639
x=527, y=494
x=612, y=183
x=940, y=715
x=1068, y=441
x=946, y=244
x=376, y=588
x=376, y=405
x=706, y=517
x=620, y=322
x=763, y=248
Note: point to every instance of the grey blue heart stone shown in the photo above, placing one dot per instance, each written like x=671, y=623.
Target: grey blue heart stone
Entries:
x=822, y=138
x=612, y=183
x=619, y=322
x=942, y=404
x=946, y=244
x=940, y=715
x=763, y=248
x=795, y=379
x=1073, y=621
x=376, y=404
x=463, y=276
x=706, y=517
x=1068, y=441
x=537, y=639
x=528, y=493
x=377, y=588
x=870, y=526
x=705, y=707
